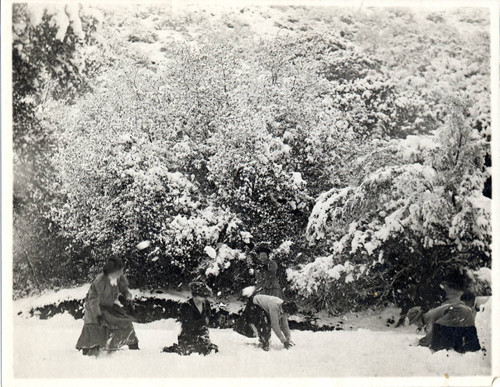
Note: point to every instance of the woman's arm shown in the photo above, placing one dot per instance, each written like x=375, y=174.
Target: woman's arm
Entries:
x=185, y=313
x=123, y=287
x=94, y=298
x=274, y=317
x=272, y=268
x=284, y=327
x=209, y=312
x=434, y=314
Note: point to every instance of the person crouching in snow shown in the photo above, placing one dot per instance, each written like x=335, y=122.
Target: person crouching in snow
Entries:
x=264, y=312
x=107, y=326
x=194, y=317
x=450, y=326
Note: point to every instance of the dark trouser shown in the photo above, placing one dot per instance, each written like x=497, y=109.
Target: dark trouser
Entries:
x=258, y=317
x=460, y=339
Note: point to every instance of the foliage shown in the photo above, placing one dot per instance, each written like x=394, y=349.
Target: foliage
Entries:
x=53, y=55
x=209, y=132
x=408, y=223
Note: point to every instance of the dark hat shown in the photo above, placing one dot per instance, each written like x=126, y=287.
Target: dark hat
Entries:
x=263, y=248
x=113, y=264
x=414, y=314
x=200, y=289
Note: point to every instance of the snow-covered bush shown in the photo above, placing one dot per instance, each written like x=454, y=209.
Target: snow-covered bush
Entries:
x=219, y=134
x=123, y=174
x=409, y=223
x=328, y=285
x=54, y=55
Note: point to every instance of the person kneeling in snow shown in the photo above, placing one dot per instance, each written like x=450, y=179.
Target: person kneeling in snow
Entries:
x=107, y=325
x=194, y=318
x=264, y=313
x=450, y=326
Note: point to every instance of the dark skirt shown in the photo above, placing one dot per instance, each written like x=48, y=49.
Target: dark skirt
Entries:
x=115, y=332
x=460, y=339
x=193, y=342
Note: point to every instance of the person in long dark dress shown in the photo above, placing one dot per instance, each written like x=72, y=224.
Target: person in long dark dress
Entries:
x=450, y=326
x=194, y=317
x=107, y=325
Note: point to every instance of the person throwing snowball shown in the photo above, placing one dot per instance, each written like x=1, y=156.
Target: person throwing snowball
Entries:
x=107, y=324
x=267, y=281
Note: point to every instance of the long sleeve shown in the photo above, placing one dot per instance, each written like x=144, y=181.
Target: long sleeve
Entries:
x=434, y=314
x=272, y=268
x=185, y=313
x=123, y=287
x=457, y=315
x=209, y=315
x=94, y=299
x=284, y=326
x=274, y=314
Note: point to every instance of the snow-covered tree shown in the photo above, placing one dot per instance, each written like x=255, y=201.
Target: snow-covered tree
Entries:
x=54, y=54
x=408, y=222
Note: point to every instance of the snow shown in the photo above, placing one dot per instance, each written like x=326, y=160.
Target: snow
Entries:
x=365, y=347
x=297, y=179
x=45, y=349
x=35, y=13
x=483, y=274
x=483, y=324
x=24, y=305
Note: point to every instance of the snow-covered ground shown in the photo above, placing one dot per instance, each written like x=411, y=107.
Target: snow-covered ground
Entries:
x=45, y=348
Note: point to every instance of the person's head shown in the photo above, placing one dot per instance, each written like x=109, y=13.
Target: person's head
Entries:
x=468, y=298
x=199, y=290
x=263, y=253
x=113, y=268
x=454, y=281
x=289, y=307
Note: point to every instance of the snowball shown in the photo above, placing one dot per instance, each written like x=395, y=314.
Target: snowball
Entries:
x=143, y=245
x=248, y=291
x=210, y=252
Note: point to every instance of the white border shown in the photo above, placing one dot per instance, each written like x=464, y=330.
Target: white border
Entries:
x=7, y=180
